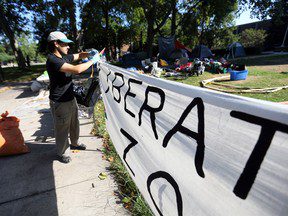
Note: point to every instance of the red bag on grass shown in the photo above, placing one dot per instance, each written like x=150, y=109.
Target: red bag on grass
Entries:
x=11, y=138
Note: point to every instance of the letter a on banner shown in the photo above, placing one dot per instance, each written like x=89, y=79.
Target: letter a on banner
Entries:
x=199, y=136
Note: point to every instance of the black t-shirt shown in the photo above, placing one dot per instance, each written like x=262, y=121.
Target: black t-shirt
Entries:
x=61, y=86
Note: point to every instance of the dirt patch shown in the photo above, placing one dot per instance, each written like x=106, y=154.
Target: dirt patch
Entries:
x=273, y=68
x=249, y=79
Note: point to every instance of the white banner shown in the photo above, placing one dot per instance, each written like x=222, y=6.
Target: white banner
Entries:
x=194, y=151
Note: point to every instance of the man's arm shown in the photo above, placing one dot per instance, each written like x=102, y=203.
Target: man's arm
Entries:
x=75, y=69
x=81, y=55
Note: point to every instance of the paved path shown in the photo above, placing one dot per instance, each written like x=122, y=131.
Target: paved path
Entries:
x=37, y=183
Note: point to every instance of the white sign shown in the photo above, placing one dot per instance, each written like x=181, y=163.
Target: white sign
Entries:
x=194, y=151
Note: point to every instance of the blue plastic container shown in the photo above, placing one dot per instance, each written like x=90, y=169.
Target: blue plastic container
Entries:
x=238, y=75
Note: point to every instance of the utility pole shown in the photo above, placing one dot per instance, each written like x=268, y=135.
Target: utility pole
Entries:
x=285, y=35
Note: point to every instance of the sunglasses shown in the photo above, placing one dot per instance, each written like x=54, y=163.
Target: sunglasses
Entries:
x=62, y=44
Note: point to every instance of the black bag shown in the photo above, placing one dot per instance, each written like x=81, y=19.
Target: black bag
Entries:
x=79, y=93
x=89, y=95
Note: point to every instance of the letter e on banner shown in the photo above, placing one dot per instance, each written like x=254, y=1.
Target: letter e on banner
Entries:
x=117, y=87
x=129, y=93
x=150, y=109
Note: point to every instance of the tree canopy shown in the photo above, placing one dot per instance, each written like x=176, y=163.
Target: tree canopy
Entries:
x=113, y=23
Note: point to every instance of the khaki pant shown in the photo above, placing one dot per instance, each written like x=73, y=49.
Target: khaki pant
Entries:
x=65, y=118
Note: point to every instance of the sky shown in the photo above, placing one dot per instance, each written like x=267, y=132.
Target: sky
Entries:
x=245, y=18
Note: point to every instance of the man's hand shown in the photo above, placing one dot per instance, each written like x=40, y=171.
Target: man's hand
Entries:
x=83, y=55
x=95, y=58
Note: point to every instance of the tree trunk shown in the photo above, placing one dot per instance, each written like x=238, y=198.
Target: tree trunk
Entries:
x=13, y=42
x=115, y=46
x=201, y=32
x=72, y=18
x=107, y=26
x=284, y=39
x=150, y=37
x=173, y=20
x=150, y=15
x=141, y=41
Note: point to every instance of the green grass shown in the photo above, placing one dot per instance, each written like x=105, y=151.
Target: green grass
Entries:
x=265, y=79
x=14, y=74
x=131, y=197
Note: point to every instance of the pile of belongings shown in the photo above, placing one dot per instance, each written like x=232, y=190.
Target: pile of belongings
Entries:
x=141, y=66
x=196, y=67
x=146, y=65
x=163, y=63
x=215, y=66
x=156, y=71
x=238, y=67
x=172, y=74
x=151, y=67
x=134, y=69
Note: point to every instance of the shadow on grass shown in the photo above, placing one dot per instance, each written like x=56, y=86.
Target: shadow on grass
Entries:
x=262, y=60
x=14, y=74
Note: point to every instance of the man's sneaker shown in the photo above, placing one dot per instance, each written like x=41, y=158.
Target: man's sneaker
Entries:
x=80, y=146
x=65, y=159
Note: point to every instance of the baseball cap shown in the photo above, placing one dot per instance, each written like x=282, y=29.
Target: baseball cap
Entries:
x=57, y=35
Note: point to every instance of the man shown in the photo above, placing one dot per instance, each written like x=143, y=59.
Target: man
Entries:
x=63, y=105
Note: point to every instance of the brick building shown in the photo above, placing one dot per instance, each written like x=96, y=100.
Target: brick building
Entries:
x=277, y=34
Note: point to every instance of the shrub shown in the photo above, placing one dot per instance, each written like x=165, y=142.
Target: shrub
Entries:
x=253, y=38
